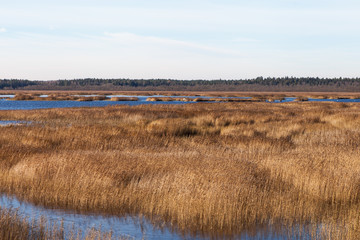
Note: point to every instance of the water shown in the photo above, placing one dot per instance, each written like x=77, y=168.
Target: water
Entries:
x=131, y=227
x=6, y=96
x=334, y=100
x=12, y=122
x=292, y=99
x=27, y=105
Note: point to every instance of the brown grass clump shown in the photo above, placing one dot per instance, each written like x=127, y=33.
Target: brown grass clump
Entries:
x=85, y=99
x=201, y=100
x=302, y=99
x=275, y=98
x=339, y=97
x=93, y=98
x=217, y=169
x=160, y=99
x=154, y=99
x=320, y=97
x=355, y=97
x=23, y=97
x=100, y=98
x=124, y=99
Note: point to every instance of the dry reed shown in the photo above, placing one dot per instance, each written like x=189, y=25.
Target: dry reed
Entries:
x=218, y=169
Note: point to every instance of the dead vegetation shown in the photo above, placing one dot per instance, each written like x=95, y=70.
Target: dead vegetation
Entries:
x=217, y=169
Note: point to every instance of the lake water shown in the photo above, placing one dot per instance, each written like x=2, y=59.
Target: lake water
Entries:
x=27, y=105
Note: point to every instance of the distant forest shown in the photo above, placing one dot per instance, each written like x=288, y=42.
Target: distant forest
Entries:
x=291, y=84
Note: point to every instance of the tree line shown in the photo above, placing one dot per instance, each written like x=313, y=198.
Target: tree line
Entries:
x=15, y=84
x=257, y=84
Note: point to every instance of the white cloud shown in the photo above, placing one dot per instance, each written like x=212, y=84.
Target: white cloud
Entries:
x=2, y=30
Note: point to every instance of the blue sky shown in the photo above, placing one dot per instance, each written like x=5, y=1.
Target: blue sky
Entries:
x=187, y=39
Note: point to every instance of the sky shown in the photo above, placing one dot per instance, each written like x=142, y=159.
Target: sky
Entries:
x=179, y=39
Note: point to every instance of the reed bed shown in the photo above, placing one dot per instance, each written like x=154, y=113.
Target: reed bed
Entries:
x=214, y=169
x=23, y=97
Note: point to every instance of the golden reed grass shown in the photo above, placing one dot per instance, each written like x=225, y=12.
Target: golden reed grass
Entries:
x=218, y=169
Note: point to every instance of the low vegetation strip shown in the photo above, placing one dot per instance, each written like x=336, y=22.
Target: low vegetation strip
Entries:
x=216, y=169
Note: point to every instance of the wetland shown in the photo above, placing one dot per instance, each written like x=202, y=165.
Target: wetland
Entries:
x=206, y=170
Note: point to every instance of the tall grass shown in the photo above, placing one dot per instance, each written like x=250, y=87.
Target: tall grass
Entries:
x=217, y=169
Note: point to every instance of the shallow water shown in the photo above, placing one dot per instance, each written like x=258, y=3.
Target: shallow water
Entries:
x=27, y=105
x=6, y=96
x=292, y=99
x=131, y=227
x=12, y=122
x=334, y=100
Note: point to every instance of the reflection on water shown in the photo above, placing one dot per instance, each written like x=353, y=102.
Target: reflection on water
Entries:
x=130, y=227
x=133, y=227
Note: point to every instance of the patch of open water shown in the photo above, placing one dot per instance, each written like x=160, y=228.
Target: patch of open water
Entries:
x=27, y=105
x=12, y=122
x=131, y=227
